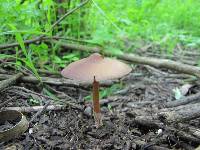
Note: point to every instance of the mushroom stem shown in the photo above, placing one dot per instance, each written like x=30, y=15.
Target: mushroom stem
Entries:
x=96, y=104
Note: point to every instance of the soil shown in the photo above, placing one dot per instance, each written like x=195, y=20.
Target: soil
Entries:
x=131, y=116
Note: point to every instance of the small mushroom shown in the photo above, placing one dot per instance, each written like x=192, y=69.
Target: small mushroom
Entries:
x=93, y=69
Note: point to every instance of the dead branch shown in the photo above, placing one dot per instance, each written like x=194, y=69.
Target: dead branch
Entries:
x=69, y=13
x=181, y=113
x=36, y=108
x=184, y=101
x=162, y=63
x=154, y=147
x=191, y=129
x=9, y=81
x=26, y=42
x=155, y=62
x=79, y=47
x=187, y=137
x=149, y=122
x=48, y=108
x=55, y=81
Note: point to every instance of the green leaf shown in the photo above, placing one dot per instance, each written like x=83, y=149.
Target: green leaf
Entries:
x=48, y=93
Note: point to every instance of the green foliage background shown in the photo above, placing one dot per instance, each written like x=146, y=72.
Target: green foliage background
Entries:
x=106, y=22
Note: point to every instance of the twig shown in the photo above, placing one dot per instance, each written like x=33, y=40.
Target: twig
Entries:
x=155, y=71
x=4, y=46
x=39, y=38
x=68, y=13
x=28, y=92
x=40, y=108
x=58, y=92
x=71, y=39
x=40, y=112
x=9, y=81
x=166, y=63
x=80, y=47
x=36, y=108
x=55, y=81
x=16, y=89
x=42, y=71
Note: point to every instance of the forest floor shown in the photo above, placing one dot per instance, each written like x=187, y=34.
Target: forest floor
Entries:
x=147, y=114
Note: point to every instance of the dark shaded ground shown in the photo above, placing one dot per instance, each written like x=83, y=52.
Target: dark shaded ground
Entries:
x=143, y=95
x=131, y=116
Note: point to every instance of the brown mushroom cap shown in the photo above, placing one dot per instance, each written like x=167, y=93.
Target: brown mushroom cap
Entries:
x=95, y=65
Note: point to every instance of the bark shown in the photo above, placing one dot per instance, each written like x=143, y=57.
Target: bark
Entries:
x=9, y=81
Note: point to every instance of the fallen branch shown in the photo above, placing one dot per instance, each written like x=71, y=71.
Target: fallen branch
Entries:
x=190, y=129
x=79, y=47
x=184, y=101
x=26, y=92
x=181, y=113
x=154, y=147
x=41, y=108
x=162, y=63
x=46, y=107
x=155, y=62
x=55, y=81
x=151, y=123
x=36, y=108
x=9, y=81
x=187, y=137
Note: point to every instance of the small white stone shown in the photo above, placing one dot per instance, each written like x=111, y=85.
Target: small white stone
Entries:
x=159, y=132
x=88, y=111
x=30, y=131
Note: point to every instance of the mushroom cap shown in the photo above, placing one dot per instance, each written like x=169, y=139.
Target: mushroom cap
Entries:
x=95, y=65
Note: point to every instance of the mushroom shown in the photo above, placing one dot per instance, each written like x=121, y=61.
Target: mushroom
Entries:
x=93, y=69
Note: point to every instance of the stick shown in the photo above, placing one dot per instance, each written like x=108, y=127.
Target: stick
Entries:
x=26, y=42
x=39, y=112
x=181, y=113
x=184, y=101
x=35, y=108
x=39, y=38
x=55, y=81
x=165, y=63
x=68, y=13
x=9, y=81
x=40, y=108
x=79, y=47
x=155, y=62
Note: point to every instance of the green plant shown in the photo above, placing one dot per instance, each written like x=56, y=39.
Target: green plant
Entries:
x=145, y=20
x=106, y=92
x=139, y=22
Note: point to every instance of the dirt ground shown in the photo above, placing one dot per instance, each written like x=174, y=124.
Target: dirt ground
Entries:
x=134, y=117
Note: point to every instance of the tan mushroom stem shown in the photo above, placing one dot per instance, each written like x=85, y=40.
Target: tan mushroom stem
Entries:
x=96, y=104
